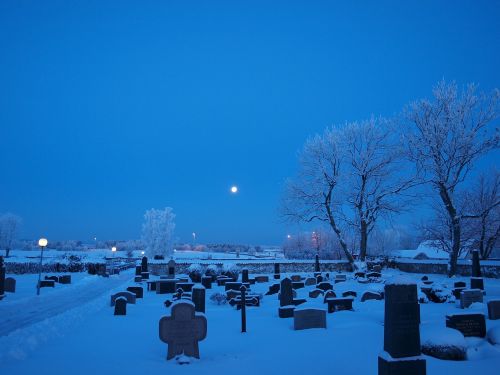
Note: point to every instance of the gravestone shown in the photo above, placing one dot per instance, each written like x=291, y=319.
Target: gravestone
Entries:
x=309, y=318
x=261, y=279
x=121, y=306
x=277, y=275
x=369, y=295
x=138, y=279
x=324, y=286
x=316, y=264
x=470, y=296
x=476, y=281
x=244, y=275
x=182, y=330
x=401, y=330
x=459, y=284
x=339, y=304
x=286, y=299
x=340, y=278
x=10, y=285
x=145, y=275
x=373, y=275
x=377, y=268
x=138, y=270
x=471, y=325
x=315, y=293
x=65, y=279
x=171, y=269
x=144, y=265
x=206, y=281
x=457, y=291
x=349, y=293
x=360, y=274
x=273, y=289
x=137, y=290
x=297, y=284
x=295, y=278
x=310, y=281
x=319, y=279
x=2, y=279
x=129, y=296
x=166, y=286
x=328, y=294
x=243, y=306
x=53, y=278
x=494, y=309
x=222, y=280
x=198, y=298
x=47, y=283
x=186, y=287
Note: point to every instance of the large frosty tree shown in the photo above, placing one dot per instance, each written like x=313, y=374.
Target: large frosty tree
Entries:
x=9, y=225
x=157, y=231
x=446, y=136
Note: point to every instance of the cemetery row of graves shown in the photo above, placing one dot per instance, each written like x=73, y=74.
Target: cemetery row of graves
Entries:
x=466, y=315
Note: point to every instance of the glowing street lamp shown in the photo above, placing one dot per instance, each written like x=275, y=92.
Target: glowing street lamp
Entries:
x=234, y=189
x=288, y=236
x=113, y=249
x=42, y=242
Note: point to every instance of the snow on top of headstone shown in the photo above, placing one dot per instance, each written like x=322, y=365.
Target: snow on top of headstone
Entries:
x=400, y=280
x=198, y=286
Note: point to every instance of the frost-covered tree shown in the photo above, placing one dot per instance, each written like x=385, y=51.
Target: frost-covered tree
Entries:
x=315, y=193
x=446, y=136
x=482, y=217
x=157, y=231
x=374, y=179
x=9, y=225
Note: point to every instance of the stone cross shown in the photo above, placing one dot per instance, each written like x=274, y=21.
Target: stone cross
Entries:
x=183, y=329
x=243, y=290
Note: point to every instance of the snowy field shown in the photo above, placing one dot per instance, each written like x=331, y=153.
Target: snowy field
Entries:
x=85, y=337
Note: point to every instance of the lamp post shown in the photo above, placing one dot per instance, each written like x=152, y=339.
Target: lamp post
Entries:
x=42, y=242
x=113, y=250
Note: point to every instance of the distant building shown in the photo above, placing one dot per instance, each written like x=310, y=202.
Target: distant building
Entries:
x=429, y=249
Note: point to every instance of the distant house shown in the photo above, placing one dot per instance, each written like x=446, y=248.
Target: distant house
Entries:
x=429, y=249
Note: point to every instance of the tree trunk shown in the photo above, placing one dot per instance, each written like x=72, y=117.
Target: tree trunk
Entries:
x=455, y=229
x=7, y=252
x=363, y=240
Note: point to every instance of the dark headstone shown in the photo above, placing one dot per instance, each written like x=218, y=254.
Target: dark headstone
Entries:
x=369, y=295
x=328, y=294
x=222, y=280
x=137, y=290
x=244, y=275
x=10, y=285
x=459, y=284
x=273, y=289
x=138, y=270
x=295, y=278
x=286, y=294
x=319, y=279
x=198, y=297
x=310, y=281
x=171, y=269
x=261, y=279
x=144, y=265
x=477, y=283
x=349, y=293
x=65, y=279
x=129, y=296
x=206, y=281
x=53, y=278
x=470, y=296
x=468, y=324
x=494, y=309
x=298, y=284
x=138, y=279
x=401, y=332
x=186, y=287
x=183, y=329
x=166, y=286
x=360, y=274
x=309, y=318
x=377, y=268
x=315, y=293
x=424, y=278
x=456, y=292
x=243, y=290
x=277, y=272
x=339, y=304
x=121, y=306
x=47, y=283
x=235, y=285
x=325, y=285
x=145, y=275
x=286, y=311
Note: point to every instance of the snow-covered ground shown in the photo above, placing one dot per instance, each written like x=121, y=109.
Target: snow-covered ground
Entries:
x=88, y=338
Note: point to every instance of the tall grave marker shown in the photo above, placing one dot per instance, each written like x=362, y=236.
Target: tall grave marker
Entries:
x=476, y=281
x=2, y=278
x=401, y=353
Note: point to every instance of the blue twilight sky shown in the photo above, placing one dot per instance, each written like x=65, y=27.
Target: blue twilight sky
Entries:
x=108, y=108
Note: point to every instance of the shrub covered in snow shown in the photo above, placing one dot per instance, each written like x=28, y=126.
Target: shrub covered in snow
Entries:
x=195, y=271
x=212, y=271
x=231, y=270
x=443, y=343
x=218, y=298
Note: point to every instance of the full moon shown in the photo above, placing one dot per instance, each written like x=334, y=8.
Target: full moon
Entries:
x=234, y=189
